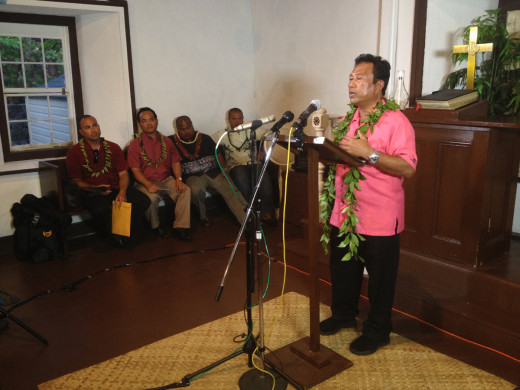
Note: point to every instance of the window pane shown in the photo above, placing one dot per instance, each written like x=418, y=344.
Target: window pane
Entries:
x=10, y=49
x=60, y=130
x=34, y=76
x=16, y=108
x=34, y=66
x=41, y=132
x=19, y=133
x=59, y=107
x=55, y=76
x=32, y=49
x=53, y=50
x=38, y=108
x=12, y=75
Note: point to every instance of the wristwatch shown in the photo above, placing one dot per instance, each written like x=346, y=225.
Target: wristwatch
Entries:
x=374, y=157
x=178, y=178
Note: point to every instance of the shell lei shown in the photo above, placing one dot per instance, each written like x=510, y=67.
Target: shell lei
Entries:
x=184, y=152
x=348, y=229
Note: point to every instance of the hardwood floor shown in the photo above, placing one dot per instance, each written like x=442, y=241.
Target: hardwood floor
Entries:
x=100, y=302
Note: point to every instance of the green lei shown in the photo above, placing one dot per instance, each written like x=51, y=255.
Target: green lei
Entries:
x=106, y=166
x=146, y=158
x=348, y=229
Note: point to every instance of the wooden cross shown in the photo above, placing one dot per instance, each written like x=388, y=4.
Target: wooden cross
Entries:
x=472, y=48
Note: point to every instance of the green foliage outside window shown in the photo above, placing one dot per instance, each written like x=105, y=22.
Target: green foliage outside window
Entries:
x=33, y=60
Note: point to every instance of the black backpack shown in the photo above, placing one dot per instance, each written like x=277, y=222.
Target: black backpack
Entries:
x=39, y=229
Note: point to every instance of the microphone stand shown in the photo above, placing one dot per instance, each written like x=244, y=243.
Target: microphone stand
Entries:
x=252, y=379
x=299, y=135
x=300, y=161
x=257, y=379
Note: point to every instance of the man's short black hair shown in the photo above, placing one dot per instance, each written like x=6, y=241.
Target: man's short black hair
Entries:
x=143, y=109
x=381, y=68
x=83, y=117
x=183, y=118
x=232, y=110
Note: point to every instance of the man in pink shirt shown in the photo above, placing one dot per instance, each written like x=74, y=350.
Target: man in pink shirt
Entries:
x=153, y=158
x=390, y=154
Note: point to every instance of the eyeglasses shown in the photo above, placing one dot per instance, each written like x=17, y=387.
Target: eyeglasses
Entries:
x=96, y=156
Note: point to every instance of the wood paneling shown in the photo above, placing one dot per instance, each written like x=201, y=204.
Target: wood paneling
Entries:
x=460, y=203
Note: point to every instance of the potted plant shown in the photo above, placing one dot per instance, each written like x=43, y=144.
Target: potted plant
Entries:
x=497, y=77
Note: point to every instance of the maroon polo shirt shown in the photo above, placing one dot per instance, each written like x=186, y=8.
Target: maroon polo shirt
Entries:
x=76, y=161
x=135, y=157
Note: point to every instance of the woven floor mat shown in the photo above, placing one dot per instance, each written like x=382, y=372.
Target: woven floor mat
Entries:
x=401, y=365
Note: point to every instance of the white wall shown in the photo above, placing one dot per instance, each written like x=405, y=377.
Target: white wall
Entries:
x=305, y=50
x=265, y=56
x=13, y=187
x=104, y=73
x=193, y=58
x=516, y=217
x=396, y=37
x=445, y=22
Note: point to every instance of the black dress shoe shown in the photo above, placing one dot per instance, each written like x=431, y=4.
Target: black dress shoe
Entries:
x=333, y=325
x=122, y=242
x=184, y=234
x=164, y=232
x=365, y=346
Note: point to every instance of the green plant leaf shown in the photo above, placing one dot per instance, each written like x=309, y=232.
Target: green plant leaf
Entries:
x=496, y=74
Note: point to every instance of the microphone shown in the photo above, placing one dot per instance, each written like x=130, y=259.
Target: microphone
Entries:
x=302, y=122
x=254, y=124
x=286, y=117
x=315, y=105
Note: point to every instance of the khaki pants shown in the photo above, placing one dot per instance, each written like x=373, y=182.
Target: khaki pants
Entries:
x=182, y=203
x=198, y=185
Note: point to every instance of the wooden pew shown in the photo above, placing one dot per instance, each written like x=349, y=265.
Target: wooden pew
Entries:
x=53, y=175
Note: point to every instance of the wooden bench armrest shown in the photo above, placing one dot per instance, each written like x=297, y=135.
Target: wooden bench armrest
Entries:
x=51, y=175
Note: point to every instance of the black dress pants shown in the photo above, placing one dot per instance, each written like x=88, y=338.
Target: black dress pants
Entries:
x=100, y=208
x=381, y=259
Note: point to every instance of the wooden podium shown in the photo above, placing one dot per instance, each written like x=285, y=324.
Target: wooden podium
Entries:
x=306, y=361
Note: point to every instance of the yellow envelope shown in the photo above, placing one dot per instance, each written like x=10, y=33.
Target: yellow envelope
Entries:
x=121, y=217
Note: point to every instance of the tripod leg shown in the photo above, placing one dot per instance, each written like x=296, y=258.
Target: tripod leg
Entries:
x=6, y=314
x=189, y=377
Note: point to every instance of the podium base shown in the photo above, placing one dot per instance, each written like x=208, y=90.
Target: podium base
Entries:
x=305, y=367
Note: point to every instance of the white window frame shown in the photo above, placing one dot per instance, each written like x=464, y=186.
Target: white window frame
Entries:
x=46, y=32
x=101, y=52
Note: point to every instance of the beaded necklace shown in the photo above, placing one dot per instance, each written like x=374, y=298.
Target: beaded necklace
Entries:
x=146, y=158
x=108, y=154
x=184, y=152
x=348, y=229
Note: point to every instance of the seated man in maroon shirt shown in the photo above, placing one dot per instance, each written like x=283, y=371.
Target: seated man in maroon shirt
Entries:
x=98, y=167
x=153, y=158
